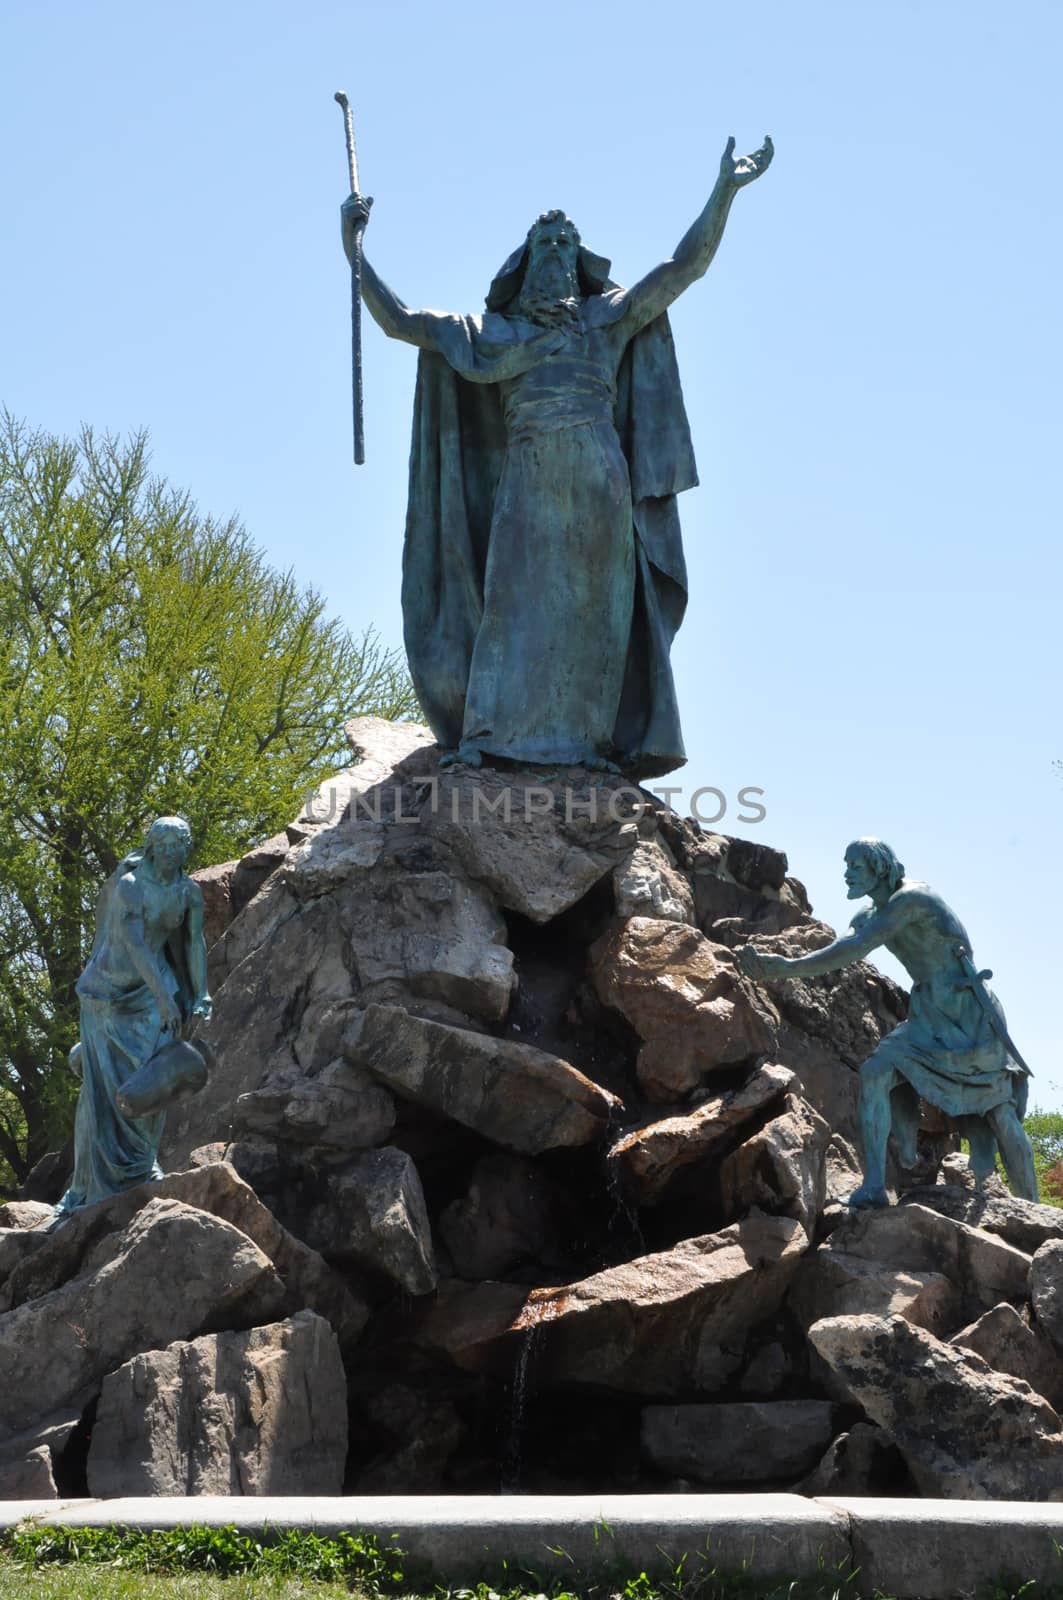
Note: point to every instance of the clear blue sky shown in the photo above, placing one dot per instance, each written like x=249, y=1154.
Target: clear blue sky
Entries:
x=871, y=366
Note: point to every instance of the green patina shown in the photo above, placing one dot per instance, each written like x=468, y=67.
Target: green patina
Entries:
x=146, y=977
x=543, y=575
x=954, y=1050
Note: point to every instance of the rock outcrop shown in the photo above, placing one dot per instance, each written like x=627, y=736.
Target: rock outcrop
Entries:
x=506, y=1176
x=262, y=1412
x=965, y=1431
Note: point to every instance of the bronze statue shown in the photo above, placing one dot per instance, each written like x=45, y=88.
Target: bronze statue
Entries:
x=954, y=1050
x=543, y=573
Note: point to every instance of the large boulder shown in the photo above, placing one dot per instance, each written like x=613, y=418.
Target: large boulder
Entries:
x=647, y=884
x=649, y=1157
x=1021, y=1223
x=754, y=1441
x=660, y=1324
x=509, y=1215
x=832, y=1283
x=337, y=1110
x=375, y=1216
x=912, y=1238
x=254, y=1413
x=965, y=1431
x=685, y=999
x=215, y=1189
x=172, y=1271
x=1005, y=1339
x=26, y=1214
x=781, y=1167
x=538, y=846
x=1046, y=1290
x=511, y=1093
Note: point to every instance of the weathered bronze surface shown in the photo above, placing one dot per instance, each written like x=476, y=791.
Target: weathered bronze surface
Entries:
x=543, y=575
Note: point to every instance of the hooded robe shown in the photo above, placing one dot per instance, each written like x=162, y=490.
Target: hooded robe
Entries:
x=459, y=455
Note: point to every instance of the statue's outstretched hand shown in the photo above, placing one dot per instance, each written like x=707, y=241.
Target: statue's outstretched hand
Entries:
x=761, y=968
x=203, y=1007
x=743, y=169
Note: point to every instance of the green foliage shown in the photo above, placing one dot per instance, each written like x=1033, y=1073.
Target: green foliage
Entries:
x=222, y=1552
x=201, y=1563
x=150, y=661
x=1045, y=1131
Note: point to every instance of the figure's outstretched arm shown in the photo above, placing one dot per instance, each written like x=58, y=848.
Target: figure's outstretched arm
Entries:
x=855, y=946
x=694, y=252
x=396, y=318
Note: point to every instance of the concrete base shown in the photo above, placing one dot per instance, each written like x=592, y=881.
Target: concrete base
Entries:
x=910, y=1549
x=951, y=1549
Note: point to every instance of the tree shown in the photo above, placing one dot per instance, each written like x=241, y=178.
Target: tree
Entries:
x=1045, y=1130
x=150, y=661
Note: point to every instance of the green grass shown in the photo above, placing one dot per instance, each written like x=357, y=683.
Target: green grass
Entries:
x=198, y=1563
x=78, y=1582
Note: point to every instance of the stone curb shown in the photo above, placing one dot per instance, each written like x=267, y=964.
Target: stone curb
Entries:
x=908, y=1549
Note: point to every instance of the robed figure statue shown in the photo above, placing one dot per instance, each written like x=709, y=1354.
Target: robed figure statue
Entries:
x=145, y=980
x=543, y=572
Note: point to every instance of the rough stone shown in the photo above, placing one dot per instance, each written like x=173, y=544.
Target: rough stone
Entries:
x=1021, y=1223
x=49, y=1178
x=513, y=1094
x=415, y=1437
x=26, y=1214
x=831, y=1283
x=15, y=1245
x=340, y=1108
x=300, y=969
x=252, y=870
x=661, y=1324
x=173, y=1269
x=1007, y=1342
x=26, y=1473
x=216, y=884
x=356, y=914
x=261, y=1412
x=650, y=1157
x=757, y=866
x=506, y=1218
x=860, y=1462
x=849, y=1011
x=215, y=1189
x=684, y=998
x=538, y=847
x=965, y=1431
x=782, y=1167
x=1046, y=1289
x=766, y=1371
x=648, y=884
x=375, y=1215
x=753, y=1441
x=912, y=1238
x=382, y=748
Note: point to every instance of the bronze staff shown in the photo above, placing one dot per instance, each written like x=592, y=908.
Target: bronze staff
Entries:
x=356, y=288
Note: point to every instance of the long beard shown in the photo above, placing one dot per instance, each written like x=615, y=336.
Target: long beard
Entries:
x=547, y=311
x=549, y=296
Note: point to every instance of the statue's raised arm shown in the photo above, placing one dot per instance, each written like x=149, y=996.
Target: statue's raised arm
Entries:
x=543, y=570
x=693, y=255
x=396, y=318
